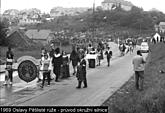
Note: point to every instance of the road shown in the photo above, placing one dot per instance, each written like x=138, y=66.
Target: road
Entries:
x=103, y=81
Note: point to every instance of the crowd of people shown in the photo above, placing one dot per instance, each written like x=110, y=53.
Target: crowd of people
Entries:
x=127, y=47
x=54, y=64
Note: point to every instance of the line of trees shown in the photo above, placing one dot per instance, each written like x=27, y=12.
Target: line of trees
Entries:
x=111, y=21
x=133, y=19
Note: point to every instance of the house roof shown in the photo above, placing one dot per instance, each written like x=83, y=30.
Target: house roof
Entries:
x=162, y=23
x=21, y=35
x=123, y=2
x=38, y=34
x=156, y=35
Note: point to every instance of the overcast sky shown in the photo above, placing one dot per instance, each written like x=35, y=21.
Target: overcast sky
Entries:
x=46, y=5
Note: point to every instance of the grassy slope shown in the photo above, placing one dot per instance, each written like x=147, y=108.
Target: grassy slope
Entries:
x=152, y=98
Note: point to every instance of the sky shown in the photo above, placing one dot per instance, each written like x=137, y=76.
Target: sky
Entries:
x=47, y=5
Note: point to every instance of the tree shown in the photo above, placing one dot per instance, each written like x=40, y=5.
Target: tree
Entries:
x=3, y=32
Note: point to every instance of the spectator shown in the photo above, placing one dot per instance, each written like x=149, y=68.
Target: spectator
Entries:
x=138, y=64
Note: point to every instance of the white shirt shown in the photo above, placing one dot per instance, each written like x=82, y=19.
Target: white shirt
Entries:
x=138, y=63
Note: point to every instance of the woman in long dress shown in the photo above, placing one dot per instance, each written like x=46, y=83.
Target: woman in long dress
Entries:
x=74, y=57
x=57, y=62
x=65, y=66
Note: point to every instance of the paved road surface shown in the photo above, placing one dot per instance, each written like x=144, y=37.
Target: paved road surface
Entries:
x=102, y=82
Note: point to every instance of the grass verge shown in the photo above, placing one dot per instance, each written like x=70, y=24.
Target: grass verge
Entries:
x=152, y=99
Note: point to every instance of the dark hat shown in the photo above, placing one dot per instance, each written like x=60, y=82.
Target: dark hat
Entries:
x=57, y=50
x=139, y=52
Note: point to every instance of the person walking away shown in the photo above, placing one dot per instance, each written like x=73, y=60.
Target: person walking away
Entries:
x=138, y=65
x=81, y=73
x=92, y=61
x=74, y=57
x=99, y=55
x=52, y=51
x=123, y=49
x=120, y=49
x=89, y=48
x=131, y=47
x=109, y=55
x=46, y=69
x=127, y=48
x=9, y=63
x=57, y=62
x=65, y=66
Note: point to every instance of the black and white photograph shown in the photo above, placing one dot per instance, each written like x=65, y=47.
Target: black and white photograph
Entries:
x=96, y=56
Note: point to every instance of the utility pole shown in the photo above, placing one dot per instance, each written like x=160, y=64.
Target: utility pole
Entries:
x=0, y=11
x=93, y=20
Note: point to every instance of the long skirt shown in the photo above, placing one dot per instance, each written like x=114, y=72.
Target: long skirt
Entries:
x=65, y=71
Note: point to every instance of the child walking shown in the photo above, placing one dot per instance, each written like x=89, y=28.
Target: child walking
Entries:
x=46, y=69
x=81, y=73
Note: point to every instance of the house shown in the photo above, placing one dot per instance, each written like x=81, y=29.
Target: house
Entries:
x=112, y=4
x=162, y=27
x=19, y=39
x=39, y=35
x=156, y=37
x=25, y=18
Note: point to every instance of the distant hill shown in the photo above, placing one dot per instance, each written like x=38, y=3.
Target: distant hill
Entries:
x=154, y=9
x=60, y=11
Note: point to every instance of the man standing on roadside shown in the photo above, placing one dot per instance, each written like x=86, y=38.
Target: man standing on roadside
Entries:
x=138, y=65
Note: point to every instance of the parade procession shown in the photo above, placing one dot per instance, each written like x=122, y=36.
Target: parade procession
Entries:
x=55, y=65
x=76, y=56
